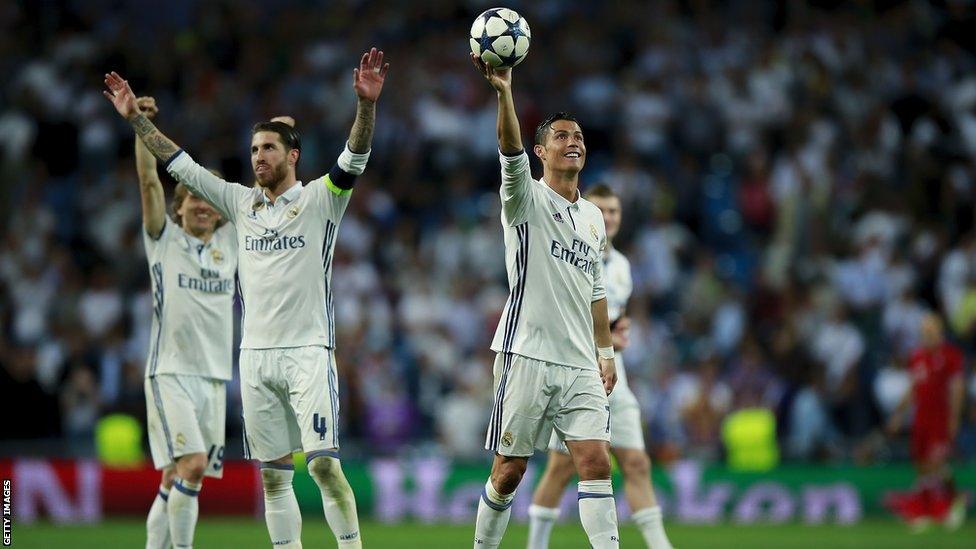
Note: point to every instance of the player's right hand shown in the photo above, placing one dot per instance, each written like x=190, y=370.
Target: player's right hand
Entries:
x=121, y=96
x=147, y=106
x=500, y=79
x=608, y=373
x=286, y=119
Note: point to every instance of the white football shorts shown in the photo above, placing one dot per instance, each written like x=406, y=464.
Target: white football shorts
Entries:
x=186, y=415
x=626, y=428
x=290, y=398
x=534, y=399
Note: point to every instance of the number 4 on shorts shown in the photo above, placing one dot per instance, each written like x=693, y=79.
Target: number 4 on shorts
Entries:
x=318, y=423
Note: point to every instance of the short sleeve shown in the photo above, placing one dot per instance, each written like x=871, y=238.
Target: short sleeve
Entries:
x=156, y=246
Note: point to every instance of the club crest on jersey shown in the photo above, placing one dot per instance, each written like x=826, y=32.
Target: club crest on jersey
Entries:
x=593, y=233
x=558, y=217
x=217, y=256
x=292, y=213
x=507, y=439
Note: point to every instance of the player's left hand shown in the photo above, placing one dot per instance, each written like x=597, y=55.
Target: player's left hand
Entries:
x=368, y=78
x=608, y=373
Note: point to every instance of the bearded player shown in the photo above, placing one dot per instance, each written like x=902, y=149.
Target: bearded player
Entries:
x=626, y=437
x=554, y=365
x=286, y=237
x=936, y=369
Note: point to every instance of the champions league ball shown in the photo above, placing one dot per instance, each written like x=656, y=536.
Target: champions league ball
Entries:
x=500, y=37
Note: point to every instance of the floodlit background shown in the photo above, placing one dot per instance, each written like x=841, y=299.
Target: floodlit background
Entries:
x=798, y=183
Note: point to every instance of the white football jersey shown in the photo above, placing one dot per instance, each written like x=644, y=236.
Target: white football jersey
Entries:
x=193, y=297
x=285, y=252
x=619, y=287
x=618, y=282
x=554, y=257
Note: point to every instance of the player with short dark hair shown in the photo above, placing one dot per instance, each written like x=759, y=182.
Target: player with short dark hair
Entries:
x=555, y=362
x=286, y=239
x=626, y=437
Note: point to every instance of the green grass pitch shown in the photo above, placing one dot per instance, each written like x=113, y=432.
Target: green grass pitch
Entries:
x=243, y=534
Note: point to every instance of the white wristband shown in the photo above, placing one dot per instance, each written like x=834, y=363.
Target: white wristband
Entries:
x=353, y=163
x=605, y=352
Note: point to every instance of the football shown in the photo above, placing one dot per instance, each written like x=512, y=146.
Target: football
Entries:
x=500, y=37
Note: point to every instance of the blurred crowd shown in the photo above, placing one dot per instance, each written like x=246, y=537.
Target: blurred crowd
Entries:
x=798, y=184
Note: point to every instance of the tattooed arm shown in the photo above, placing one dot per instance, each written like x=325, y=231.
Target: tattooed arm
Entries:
x=124, y=101
x=361, y=135
x=202, y=183
x=150, y=189
x=157, y=143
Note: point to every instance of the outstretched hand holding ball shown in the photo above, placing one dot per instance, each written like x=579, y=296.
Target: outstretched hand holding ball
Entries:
x=500, y=38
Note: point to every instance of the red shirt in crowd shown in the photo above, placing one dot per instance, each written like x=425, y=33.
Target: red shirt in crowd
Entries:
x=932, y=369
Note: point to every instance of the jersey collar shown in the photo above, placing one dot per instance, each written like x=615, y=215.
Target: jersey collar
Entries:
x=290, y=195
x=558, y=198
x=193, y=242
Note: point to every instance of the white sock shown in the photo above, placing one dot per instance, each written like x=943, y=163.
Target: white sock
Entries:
x=280, y=506
x=651, y=526
x=598, y=513
x=541, y=520
x=494, y=509
x=183, y=509
x=157, y=525
x=338, y=501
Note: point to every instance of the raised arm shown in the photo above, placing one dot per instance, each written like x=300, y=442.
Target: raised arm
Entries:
x=367, y=80
x=197, y=179
x=150, y=189
x=509, y=132
x=124, y=100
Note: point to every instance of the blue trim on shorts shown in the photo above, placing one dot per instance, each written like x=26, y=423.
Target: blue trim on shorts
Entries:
x=333, y=399
x=163, y=495
x=279, y=466
x=158, y=400
x=247, y=448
